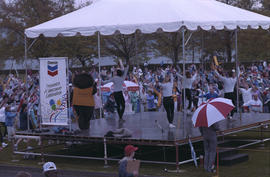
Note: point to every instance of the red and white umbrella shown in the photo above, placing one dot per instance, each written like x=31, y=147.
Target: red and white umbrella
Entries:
x=211, y=112
x=128, y=85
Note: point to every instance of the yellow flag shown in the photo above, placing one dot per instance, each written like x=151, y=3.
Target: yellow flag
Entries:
x=216, y=61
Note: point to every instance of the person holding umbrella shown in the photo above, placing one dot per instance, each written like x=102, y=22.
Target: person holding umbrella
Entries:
x=210, y=145
x=206, y=118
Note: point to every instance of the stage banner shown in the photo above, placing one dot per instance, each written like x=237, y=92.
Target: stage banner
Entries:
x=53, y=91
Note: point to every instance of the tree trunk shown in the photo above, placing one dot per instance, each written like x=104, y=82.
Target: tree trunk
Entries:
x=175, y=56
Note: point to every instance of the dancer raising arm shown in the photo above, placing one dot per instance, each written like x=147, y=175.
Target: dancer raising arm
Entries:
x=118, y=82
x=229, y=84
x=168, y=103
x=187, y=82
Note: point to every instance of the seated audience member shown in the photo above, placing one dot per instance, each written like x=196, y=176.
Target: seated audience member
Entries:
x=255, y=105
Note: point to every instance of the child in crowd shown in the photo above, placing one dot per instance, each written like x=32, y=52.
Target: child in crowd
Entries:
x=109, y=107
x=150, y=101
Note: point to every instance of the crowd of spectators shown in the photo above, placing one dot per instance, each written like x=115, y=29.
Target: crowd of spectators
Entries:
x=254, y=84
x=19, y=97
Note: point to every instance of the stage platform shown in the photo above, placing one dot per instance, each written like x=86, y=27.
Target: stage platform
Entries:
x=151, y=128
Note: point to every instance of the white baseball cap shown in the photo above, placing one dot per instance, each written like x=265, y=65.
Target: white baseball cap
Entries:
x=49, y=166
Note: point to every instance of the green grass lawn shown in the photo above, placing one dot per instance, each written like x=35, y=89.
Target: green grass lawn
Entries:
x=258, y=164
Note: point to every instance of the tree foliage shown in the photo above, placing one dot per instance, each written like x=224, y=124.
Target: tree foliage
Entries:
x=15, y=17
x=128, y=47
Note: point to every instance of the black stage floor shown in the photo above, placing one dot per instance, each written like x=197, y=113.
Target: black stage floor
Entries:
x=146, y=127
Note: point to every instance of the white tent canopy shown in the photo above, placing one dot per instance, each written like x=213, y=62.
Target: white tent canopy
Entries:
x=126, y=16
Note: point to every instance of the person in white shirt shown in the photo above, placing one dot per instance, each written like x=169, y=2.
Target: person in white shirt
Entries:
x=98, y=105
x=168, y=103
x=246, y=95
x=255, y=105
x=187, y=82
x=118, y=82
x=229, y=84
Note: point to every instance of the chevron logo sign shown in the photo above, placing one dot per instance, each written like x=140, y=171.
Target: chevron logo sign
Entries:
x=52, y=68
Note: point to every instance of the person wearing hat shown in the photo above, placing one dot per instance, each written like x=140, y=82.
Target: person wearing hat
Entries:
x=129, y=155
x=49, y=169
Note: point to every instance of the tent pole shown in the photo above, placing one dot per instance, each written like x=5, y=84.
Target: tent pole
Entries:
x=99, y=80
x=236, y=68
x=68, y=96
x=26, y=79
x=184, y=72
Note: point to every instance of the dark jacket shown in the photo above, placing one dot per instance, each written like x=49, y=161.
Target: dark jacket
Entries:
x=209, y=132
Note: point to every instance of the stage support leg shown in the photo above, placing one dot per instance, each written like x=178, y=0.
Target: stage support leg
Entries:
x=105, y=154
x=164, y=154
x=42, y=150
x=13, y=150
x=177, y=157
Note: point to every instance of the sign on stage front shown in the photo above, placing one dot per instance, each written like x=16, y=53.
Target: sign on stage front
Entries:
x=53, y=91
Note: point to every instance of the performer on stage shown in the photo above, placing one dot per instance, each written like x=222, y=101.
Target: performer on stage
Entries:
x=118, y=82
x=168, y=103
x=83, y=99
x=187, y=82
x=229, y=84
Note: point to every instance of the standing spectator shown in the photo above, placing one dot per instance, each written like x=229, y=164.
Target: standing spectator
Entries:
x=150, y=98
x=2, y=126
x=267, y=99
x=143, y=99
x=129, y=155
x=49, y=169
x=98, y=105
x=210, y=145
x=10, y=119
x=134, y=100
